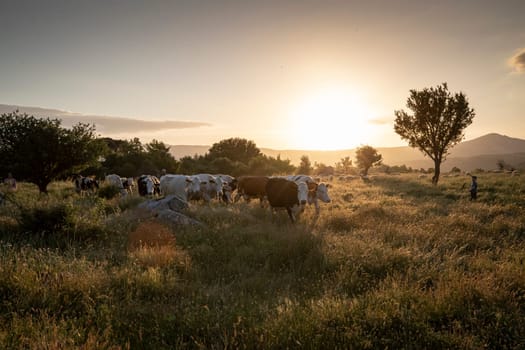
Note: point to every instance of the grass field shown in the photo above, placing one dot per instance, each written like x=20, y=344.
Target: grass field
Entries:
x=391, y=263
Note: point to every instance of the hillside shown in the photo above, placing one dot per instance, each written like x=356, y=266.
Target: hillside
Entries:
x=483, y=152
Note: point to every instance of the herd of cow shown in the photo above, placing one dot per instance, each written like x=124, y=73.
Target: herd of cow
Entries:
x=291, y=192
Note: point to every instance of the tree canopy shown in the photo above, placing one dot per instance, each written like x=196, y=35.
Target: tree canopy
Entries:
x=131, y=158
x=437, y=123
x=235, y=157
x=366, y=157
x=305, y=166
x=39, y=150
x=236, y=149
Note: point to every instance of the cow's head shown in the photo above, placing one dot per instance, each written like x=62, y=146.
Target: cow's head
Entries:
x=95, y=184
x=218, y=187
x=149, y=185
x=226, y=193
x=302, y=193
x=233, y=184
x=322, y=192
x=193, y=185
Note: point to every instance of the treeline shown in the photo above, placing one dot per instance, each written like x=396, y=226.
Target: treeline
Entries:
x=40, y=150
x=234, y=156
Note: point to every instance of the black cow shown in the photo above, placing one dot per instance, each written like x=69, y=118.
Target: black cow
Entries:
x=85, y=184
x=286, y=194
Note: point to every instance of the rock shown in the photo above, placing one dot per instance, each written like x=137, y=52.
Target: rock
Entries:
x=168, y=210
x=174, y=218
x=170, y=202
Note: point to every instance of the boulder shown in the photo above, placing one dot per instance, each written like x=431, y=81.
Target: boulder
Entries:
x=169, y=211
x=173, y=218
x=170, y=202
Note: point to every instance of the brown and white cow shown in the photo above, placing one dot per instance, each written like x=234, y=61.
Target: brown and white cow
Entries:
x=148, y=185
x=249, y=187
x=287, y=194
x=317, y=191
x=128, y=184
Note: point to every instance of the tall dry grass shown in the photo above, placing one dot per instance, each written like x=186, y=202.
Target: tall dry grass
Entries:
x=391, y=263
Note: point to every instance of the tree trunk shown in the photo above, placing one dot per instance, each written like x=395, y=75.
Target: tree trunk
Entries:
x=437, y=171
x=42, y=186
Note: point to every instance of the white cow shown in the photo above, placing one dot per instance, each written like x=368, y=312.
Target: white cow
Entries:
x=317, y=191
x=229, y=184
x=210, y=187
x=116, y=181
x=178, y=185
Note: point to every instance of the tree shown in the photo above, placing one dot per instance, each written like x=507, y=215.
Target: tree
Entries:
x=366, y=157
x=305, y=167
x=126, y=158
x=236, y=149
x=437, y=124
x=344, y=165
x=193, y=165
x=160, y=157
x=266, y=165
x=40, y=150
x=323, y=169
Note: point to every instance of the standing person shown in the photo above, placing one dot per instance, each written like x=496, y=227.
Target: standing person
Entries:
x=474, y=188
x=10, y=181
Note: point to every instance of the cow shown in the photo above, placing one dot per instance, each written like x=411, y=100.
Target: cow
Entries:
x=179, y=185
x=156, y=185
x=316, y=191
x=229, y=184
x=287, y=194
x=251, y=187
x=210, y=188
x=85, y=185
x=116, y=181
x=128, y=184
x=148, y=185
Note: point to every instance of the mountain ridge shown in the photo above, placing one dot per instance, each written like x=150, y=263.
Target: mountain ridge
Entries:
x=483, y=152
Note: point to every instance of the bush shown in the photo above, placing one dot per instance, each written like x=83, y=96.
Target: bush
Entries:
x=60, y=224
x=108, y=192
x=44, y=221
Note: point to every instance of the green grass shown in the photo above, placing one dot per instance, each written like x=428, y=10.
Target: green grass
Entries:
x=391, y=263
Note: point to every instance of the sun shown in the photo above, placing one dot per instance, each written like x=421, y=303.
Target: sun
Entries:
x=329, y=119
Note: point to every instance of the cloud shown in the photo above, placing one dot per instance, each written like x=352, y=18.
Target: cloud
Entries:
x=115, y=125
x=518, y=61
x=105, y=124
x=381, y=120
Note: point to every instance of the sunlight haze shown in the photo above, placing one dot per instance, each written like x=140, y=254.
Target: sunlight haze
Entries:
x=285, y=74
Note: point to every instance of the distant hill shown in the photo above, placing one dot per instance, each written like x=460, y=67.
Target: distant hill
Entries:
x=489, y=144
x=179, y=151
x=483, y=152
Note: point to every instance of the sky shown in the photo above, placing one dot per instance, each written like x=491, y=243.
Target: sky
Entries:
x=284, y=74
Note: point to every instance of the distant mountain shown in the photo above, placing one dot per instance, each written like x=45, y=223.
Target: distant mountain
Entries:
x=489, y=144
x=483, y=152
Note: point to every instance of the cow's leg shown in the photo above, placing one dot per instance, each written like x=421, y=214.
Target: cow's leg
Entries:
x=317, y=207
x=290, y=214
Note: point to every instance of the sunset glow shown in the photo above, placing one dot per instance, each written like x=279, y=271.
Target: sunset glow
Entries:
x=284, y=74
x=330, y=118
